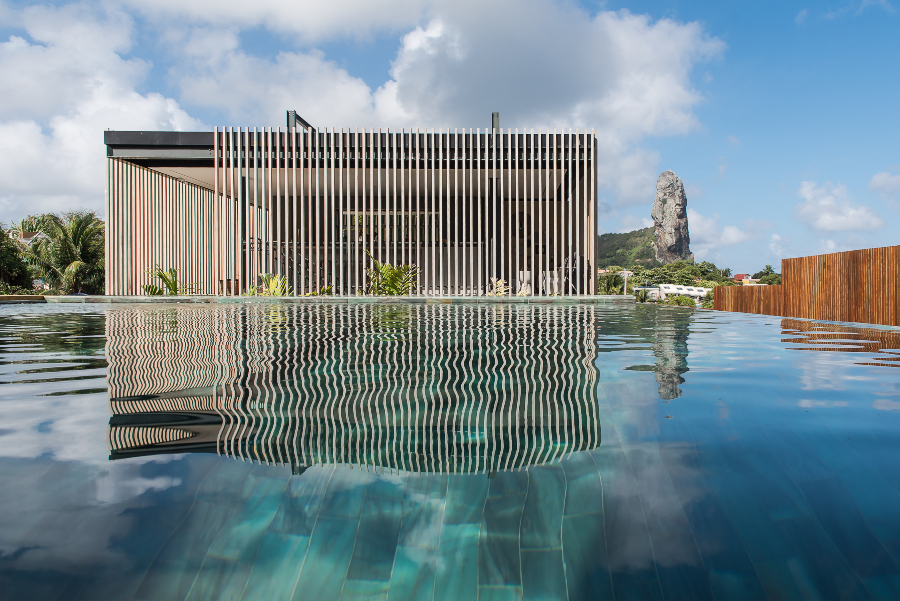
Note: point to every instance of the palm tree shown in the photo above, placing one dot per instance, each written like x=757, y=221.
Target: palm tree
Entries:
x=73, y=259
x=611, y=283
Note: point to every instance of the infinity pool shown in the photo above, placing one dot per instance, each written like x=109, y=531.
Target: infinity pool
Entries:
x=475, y=451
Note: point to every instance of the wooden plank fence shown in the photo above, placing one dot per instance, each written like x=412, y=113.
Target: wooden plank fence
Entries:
x=856, y=286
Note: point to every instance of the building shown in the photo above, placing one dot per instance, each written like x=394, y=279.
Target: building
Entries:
x=226, y=206
x=28, y=238
x=695, y=292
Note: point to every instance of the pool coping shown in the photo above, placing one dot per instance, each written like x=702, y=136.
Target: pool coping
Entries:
x=413, y=300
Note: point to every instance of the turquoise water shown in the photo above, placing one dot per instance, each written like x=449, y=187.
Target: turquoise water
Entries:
x=275, y=451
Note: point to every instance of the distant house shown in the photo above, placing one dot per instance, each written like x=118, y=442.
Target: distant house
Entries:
x=29, y=238
x=746, y=280
x=695, y=292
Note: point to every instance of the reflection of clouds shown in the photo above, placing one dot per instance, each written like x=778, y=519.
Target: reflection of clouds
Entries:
x=826, y=371
x=666, y=488
x=886, y=405
x=56, y=427
x=809, y=403
x=67, y=516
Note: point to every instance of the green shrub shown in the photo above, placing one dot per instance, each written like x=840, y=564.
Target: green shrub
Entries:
x=170, y=284
x=386, y=280
x=680, y=301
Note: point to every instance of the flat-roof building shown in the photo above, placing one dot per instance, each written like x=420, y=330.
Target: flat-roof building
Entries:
x=226, y=206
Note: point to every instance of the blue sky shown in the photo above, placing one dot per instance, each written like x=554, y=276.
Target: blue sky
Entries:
x=780, y=117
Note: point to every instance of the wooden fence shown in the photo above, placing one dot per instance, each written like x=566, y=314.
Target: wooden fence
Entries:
x=857, y=286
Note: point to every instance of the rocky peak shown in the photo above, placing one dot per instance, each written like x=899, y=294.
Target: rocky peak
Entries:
x=670, y=224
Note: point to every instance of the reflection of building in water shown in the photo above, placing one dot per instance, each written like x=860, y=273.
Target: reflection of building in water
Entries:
x=420, y=388
x=670, y=350
x=831, y=337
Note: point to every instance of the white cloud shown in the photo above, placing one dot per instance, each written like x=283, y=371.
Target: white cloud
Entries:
x=885, y=183
x=59, y=92
x=828, y=208
x=777, y=245
x=801, y=16
x=734, y=140
x=308, y=21
x=624, y=75
x=630, y=223
x=69, y=73
x=707, y=235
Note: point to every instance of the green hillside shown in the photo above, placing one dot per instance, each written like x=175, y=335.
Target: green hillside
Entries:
x=629, y=249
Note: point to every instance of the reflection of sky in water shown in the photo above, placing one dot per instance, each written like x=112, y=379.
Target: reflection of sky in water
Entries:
x=741, y=457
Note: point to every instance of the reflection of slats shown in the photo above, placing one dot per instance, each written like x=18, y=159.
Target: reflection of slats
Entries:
x=417, y=388
x=124, y=407
x=135, y=436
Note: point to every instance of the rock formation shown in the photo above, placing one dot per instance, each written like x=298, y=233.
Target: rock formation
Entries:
x=670, y=222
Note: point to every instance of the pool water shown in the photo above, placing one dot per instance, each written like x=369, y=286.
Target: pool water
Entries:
x=474, y=451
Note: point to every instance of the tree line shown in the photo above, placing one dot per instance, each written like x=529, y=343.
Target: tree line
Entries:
x=69, y=258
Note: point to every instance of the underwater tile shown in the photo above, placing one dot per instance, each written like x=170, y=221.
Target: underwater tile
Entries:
x=364, y=590
x=544, y=504
x=680, y=569
x=325, y=567
x=456, y=574
x=379, y=530
x=584, y=552
x=465, y=499
x=583, y=487
x=498, y=555
x=413, y=574
x=345, y=493
x=839, y=515
x=543, y=575
x=172, y=573
x=300, y=502
x=228, y=562
x=499, y=593
x=423, y=511
x=276, y=566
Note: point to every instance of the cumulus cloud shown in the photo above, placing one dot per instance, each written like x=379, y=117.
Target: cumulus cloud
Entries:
x=708, y=235
x=308, y=21
x=887, y=184
x=70, y=72
x=828, y=208
x=777, y=245
x=630, y=223
x=624, y=75
x=58, y=93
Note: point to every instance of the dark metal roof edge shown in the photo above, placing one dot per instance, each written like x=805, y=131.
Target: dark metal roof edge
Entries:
x=158, y=138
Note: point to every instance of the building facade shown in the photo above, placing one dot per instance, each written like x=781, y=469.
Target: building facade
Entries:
x=227, y=206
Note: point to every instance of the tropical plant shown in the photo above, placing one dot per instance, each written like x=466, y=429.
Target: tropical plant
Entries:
x=680, y=301
x=611, y=283
x=272, y=285
x=73, y=258
x=323, y=291
x=13, y=269
x=641, y=295
x=386, y=280
x=170, y=284
x=709, y=301
x=498, y=288
x=32, y=223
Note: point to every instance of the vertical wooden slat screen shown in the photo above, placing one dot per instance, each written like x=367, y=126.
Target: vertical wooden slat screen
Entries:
x=307, y=204
x=152, y=219
x=855, y=286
